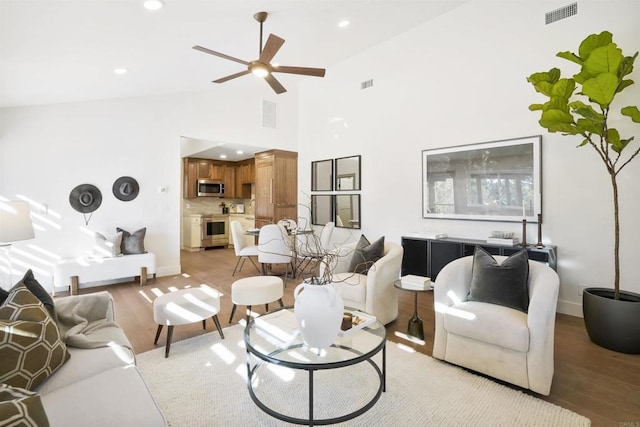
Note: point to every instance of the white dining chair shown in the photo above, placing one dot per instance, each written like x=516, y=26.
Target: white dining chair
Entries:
x=312, y=248
x=288, y=224
x=242, y=249
x=274, y=247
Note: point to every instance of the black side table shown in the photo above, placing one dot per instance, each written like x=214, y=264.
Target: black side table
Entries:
x=415, y=328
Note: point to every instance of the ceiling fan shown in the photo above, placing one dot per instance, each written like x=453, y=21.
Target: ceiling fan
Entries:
x=262, y=67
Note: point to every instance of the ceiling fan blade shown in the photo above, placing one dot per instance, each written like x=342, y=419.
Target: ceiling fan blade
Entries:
x=273, y=45
x=275, y=84
x=315, y=72
x=232, y=76
x=221, y=55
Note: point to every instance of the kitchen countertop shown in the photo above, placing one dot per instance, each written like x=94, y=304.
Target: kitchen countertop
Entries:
x=232, y=215
x=198, y=215
x=244, y=215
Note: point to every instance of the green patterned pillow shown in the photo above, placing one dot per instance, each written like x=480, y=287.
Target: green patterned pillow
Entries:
x=20, y=407
x=31, y=348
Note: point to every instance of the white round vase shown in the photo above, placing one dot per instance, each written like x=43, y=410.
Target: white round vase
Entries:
x=318, y=310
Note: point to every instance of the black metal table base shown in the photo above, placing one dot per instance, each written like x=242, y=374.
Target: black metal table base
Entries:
x=415, y=328
x=311, y=421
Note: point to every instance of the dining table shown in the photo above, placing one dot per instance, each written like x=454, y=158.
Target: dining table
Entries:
x=293, y=234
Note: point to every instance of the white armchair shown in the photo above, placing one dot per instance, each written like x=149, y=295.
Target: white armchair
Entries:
x=374, y=292
x=502, y=342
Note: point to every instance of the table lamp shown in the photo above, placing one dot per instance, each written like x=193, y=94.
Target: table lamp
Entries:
x=15, y=225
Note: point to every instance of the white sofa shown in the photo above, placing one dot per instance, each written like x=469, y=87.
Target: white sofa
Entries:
x=372, y=292
x=101, y=386
x=73, y=272
x=502, y=342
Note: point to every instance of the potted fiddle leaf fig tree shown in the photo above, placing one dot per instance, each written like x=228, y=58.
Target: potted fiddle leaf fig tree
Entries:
x=582, y=107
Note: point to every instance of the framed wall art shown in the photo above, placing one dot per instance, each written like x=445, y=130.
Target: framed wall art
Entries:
x=491, y=181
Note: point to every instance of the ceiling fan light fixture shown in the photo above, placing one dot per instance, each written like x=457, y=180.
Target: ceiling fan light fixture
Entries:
x=262, y=67
x=259, y=70
x=153, y=4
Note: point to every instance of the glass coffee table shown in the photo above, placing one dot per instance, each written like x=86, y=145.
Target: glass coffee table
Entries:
x=341, y=382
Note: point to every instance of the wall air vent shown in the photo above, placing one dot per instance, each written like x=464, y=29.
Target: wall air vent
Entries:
x=366, y=84
x=268, y=114
x=561, y=13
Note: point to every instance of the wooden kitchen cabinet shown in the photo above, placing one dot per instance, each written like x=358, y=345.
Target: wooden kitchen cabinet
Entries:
x=245, y=176
x=190, y=178
x=205, y=168
x=236, y=176
x=211, y=169
x=218, y=171
x=229, y=179
x=276, y=173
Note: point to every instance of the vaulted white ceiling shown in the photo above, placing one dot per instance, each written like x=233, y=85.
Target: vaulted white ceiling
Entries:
x=55, y=51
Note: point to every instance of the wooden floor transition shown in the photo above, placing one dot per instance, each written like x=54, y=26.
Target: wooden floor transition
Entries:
x=592, y=381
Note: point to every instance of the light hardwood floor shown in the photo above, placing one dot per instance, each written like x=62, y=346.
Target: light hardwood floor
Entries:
x=592, y=381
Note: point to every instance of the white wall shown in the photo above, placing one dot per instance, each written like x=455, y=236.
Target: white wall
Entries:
x=47, y=150
x=461, y=79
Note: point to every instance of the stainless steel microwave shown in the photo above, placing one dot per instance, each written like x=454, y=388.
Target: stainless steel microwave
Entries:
x=210, y=188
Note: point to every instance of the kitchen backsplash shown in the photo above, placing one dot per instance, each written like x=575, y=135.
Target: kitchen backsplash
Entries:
x=211, y=205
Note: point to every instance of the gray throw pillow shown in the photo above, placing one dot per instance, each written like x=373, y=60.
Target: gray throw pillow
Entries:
x=107, y=246
x=132, y=243
x=3, y=295
x=41, y=293
x=505, y=284
x=366, y=254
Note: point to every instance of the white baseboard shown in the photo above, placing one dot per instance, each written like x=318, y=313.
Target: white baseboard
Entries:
x=170, y=270
x=570, y=308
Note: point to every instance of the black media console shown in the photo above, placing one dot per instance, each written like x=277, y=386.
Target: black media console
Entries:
x=424, y=256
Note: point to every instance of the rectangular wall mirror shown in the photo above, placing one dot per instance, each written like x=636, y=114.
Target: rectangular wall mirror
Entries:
x=347, y=211
x=493, y=181
x=348, y=173
x=322, y=175
x=321, y=209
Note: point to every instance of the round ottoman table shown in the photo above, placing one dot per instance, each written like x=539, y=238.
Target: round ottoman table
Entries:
x=256, y=290
x=185, y=306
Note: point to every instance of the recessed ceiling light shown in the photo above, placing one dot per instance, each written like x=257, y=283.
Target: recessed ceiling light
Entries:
x=343, y=24
x=153, y=4
x=239, y=152
x=223, y=156
x=120, y=70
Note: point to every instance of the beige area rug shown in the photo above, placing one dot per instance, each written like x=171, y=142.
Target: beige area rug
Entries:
x=203, y=383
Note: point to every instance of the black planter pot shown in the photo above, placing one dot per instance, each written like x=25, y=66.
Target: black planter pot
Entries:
x=610, y=323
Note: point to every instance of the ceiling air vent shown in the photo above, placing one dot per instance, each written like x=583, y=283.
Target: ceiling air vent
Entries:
x=561, y=13
x=366, y=84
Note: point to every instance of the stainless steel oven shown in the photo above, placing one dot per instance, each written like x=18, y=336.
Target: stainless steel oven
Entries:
x=215, y=231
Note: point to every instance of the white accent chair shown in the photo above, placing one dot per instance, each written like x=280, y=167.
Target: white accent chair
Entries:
x=274, y=248
x=243, y=251
x=372, y=292
x=501, y=342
